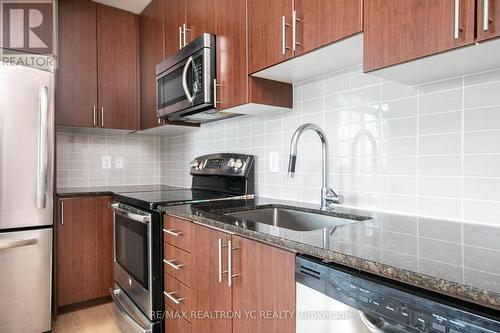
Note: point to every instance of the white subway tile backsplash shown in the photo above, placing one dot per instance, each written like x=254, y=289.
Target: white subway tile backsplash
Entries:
x=80, y=153
x=482, y=142
x=440, y=144
x=482, y=165
x=440, y=165
x=482, y=118
x=482, y=95
x=441, y=123
x=448, y=100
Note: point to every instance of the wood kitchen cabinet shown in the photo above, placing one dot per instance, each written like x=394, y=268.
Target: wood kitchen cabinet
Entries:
x=488, y=16
x=84, y=253
x=269, y=40
x=151, y=53
x=324, y=22
x=317, y=23
x=117, y=68
x=76, y=98
x=235, y=89
x=210, y=293
x=97, y=79
x=175, y=17
x=262, y=279
x=265, y=281
x=200, y=18
x=398, y=31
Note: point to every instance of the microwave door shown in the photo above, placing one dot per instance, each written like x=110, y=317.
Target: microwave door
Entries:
x=170, y=90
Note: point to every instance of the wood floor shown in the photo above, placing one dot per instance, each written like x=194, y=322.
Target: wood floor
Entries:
x=97, y=319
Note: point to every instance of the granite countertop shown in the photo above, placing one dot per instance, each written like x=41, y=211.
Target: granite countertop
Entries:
x=456, y=259
x=108, y=190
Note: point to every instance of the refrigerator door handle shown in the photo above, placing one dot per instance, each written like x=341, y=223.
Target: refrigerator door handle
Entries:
x=41, y=179
x=17, y=243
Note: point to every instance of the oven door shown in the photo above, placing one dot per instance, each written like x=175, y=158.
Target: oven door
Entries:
x=132, y=254
x=188, y=85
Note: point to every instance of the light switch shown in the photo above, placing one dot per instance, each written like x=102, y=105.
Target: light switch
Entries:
x=106, y=162
x=118, y=162
x=274, y=161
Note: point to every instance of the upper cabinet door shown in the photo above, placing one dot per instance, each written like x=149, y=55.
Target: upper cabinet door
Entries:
x=200, y=18
x=76, y=98
x=321, y=22
x=396, y=31
x=175, y=17
x=269, y=33
x=117, y=68
x=151, y=54
x=232, y=74
x=488, y=16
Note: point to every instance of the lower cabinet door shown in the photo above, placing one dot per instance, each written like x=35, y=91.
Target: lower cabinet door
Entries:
x=108, y=264
x=79, y=250
x=263, y=287
x=211, y=292
x=175, y=322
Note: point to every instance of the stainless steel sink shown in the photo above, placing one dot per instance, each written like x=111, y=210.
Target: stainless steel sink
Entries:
x=294, y=219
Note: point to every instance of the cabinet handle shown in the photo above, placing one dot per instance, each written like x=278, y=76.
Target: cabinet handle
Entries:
x=230, y=274
x=294, y=30
x=185, y=28
x=94, y=110
x=180, y=37
x=172, y=298
x=215, y=93
x=171, y=264
x=219, y=248
x=173, y=232
x=102, y=116
x=456, y=27
x=486, y=15
x=62, y=212
x=284, y=25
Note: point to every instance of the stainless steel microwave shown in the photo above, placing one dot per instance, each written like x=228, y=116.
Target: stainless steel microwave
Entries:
x=186, y=83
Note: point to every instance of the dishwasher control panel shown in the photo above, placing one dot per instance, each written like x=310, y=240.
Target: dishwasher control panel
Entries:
x=405, y=311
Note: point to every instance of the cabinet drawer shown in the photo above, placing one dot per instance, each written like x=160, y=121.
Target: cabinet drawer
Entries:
x=178, y=232
x=176, y=324
x=177, y=296
x=177, y=263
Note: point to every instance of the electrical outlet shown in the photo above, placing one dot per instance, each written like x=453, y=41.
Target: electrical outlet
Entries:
x=274, y=161
x=118, y=162
x=106, y=162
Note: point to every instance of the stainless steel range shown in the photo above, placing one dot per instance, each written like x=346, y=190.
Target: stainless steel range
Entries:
x=138, y=234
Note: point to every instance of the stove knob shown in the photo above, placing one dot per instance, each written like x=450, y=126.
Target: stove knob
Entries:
x=195, y=164
x=238, y=164
x=231, y=163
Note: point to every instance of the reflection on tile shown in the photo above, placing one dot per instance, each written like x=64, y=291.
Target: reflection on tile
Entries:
x=482, y=259
x=450, y=253
x=440, y=229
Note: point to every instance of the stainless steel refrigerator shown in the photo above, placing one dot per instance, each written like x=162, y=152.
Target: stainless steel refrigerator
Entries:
x=26, y=194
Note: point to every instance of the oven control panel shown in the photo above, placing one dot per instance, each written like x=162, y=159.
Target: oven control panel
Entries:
x=224, y=164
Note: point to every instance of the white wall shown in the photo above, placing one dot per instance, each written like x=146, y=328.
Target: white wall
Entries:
x=431, y=150
x=80, y=152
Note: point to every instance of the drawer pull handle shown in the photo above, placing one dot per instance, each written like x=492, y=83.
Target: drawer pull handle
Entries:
x=173, y=232
x=171, y=264
x=172, y=298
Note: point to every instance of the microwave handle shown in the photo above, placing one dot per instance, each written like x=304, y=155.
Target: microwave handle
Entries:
x=189, y=62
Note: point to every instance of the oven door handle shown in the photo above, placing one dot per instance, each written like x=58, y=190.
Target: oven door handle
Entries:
x=118, y=209
x=190, y=97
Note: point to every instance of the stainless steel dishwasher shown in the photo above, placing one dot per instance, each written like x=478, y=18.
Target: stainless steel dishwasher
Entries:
x=331, y=299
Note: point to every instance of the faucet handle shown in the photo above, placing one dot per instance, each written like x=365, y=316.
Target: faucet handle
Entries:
x=333, y=198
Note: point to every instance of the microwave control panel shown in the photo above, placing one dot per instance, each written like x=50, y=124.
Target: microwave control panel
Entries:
x=197, y=75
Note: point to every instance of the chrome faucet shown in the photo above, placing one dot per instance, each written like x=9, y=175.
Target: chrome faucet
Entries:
x=328, y=197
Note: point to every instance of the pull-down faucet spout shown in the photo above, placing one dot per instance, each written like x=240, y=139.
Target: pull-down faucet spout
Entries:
x=328, y=197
